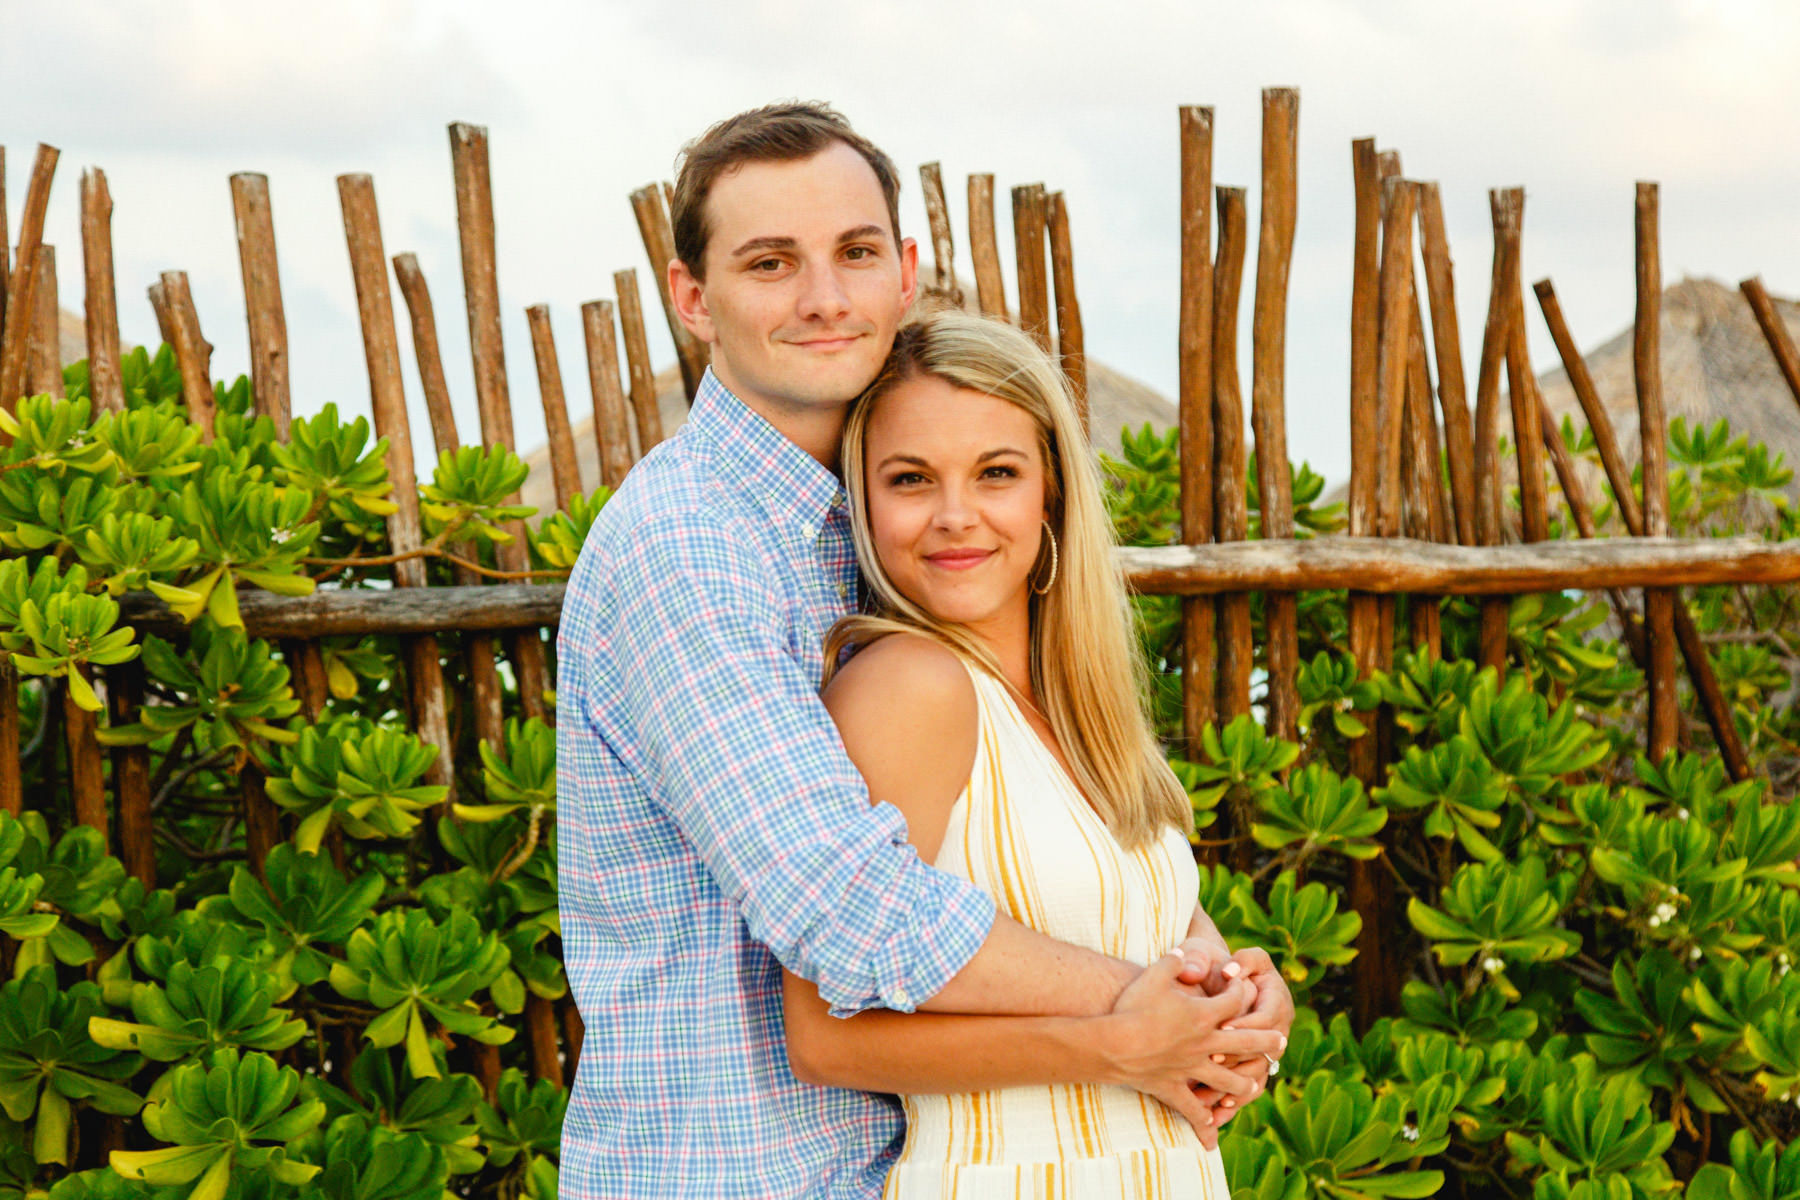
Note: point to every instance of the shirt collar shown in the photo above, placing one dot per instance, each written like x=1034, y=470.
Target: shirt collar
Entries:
x=791, y=487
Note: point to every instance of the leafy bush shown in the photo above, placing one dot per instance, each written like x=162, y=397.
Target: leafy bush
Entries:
x=1596, y=948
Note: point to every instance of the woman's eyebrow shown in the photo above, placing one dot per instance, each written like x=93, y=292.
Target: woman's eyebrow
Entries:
x=916, y=461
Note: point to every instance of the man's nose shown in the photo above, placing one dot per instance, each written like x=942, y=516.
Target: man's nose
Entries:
x=822, y=294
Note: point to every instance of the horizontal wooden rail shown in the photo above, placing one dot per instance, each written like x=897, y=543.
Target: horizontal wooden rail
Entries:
x=1394, y=566
x=1406, y=566
x=400, y=611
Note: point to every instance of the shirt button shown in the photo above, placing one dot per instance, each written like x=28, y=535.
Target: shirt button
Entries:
x=843, y=589
x=837, y=501
x=809, y=531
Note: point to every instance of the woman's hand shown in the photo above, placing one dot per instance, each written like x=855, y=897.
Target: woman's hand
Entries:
x=1165, y=1039
x=1272, y=1009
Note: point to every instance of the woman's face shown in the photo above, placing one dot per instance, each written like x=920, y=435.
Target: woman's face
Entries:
x=956, y=486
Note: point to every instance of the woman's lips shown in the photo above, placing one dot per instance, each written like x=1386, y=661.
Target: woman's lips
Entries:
x=959, y=560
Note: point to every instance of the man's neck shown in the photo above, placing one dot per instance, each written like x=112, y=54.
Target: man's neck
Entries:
x=816, y=430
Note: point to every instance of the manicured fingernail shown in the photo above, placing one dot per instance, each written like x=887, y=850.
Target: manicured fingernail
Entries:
x=1284, y=1041
x=1218, y=1058
x=1228, y=1102
x=1232, y=970
x=1230, y=1027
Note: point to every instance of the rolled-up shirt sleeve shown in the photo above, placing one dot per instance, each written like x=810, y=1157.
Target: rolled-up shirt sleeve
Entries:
x=690, y=645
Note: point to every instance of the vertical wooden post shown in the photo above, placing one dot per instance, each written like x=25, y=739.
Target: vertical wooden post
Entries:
x=1774, y=332
x=1446, y=336
x=1713, y=703
x=102, y=302
x=165, y=321
x=1230, y=470
x=1508, y=208
x=87, y=771
x=1028, y=262
x=486, y=696
x=193, y=353
x=1199, y=614
x=375, y=308
x=612, y=429
x=20, y=292
x=565, y=471
x=12, y=787
x=540, y=1029
x=573, y=1031
x=984, y=248
x=1534, y=519
x=475, y=226
x=943, y=250
x=43, y=361
x=1393, y=351
x=1365, y=325
x=1070, y=345
x=426, y=352
x=647, y=204
x=262, y=298
x=1274, y=252
x=637, y=360
x=1422, y=481
x=137, y=848
x=1646, y=361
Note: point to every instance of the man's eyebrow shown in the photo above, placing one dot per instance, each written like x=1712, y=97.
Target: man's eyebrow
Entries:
x=757, y=244
x=861, y=232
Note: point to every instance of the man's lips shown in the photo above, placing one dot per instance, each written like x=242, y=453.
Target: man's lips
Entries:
x=826, y=344
x=959, y=560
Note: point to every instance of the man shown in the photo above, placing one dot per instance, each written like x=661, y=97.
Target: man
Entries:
x=710, y=825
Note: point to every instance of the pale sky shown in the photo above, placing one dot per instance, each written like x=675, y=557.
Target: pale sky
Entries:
x=1573, y=100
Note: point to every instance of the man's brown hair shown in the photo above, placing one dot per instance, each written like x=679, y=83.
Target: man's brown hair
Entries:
x=784, y=132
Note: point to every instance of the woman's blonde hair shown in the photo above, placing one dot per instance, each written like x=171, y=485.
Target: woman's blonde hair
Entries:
x=1085, y=667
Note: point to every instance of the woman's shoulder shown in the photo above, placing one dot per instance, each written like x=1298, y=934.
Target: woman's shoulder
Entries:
x=921, y=667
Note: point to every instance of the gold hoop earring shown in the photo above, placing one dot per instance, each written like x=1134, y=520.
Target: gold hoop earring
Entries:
x=1051, y=581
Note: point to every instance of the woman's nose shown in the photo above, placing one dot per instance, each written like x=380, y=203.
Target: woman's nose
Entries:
x=955, y=508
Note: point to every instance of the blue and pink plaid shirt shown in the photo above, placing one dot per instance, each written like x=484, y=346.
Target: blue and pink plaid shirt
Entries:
x=709, y=826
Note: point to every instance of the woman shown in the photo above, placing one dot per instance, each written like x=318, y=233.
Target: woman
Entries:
x=994, y=696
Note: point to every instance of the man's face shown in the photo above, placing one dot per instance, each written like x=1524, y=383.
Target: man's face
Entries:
x=804, y=284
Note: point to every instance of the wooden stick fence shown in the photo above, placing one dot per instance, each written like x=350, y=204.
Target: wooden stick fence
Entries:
x=1425, y=504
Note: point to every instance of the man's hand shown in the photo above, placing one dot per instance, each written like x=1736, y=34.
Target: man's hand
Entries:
x=1165, y=1039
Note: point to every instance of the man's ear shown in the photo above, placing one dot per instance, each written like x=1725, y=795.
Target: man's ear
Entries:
x=689, y=295
x=909, y=271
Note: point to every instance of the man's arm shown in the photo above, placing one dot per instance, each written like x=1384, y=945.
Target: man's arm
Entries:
x=738, y=750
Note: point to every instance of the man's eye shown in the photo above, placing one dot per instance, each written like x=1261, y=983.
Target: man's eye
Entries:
x=767, y=266
x=859, y=252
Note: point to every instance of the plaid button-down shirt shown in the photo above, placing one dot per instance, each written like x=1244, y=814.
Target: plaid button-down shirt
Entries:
x=710, y=824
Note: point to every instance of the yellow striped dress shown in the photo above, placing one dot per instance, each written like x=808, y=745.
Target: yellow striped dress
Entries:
x=1024, y=832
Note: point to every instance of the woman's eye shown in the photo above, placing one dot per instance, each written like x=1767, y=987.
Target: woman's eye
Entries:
x=1001, y=473
x=905, y=479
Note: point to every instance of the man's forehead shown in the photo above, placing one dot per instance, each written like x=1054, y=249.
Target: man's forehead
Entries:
x=833, y=195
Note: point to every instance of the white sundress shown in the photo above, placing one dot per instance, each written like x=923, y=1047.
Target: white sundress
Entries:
x=1022, y=831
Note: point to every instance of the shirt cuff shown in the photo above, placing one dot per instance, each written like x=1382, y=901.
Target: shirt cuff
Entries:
x=946, y=920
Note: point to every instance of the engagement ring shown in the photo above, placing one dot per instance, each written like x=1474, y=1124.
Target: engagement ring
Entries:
x=1274, y=1065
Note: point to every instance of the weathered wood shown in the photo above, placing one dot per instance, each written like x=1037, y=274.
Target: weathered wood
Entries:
x=262, y=820
x=426, y=353
x=1507, y=207
x=1028, y=263
x=485, y=700
x=637, y=360
x=649, y=206
x=1446, y=337
x=12, y=786
x=193, y=353
x=612, y=424
x=481, y=284
x=540, y=1027
x=1392, y=352
x=1230, y=477
x=1581, y=511
x=1387, y=167
x=1199, y=616
x=943, y=249
x=565, y=471
x=381, y=347
x=1646, y=361
x=1775, y=332
x=573, y=1031
x=131, y=775
x=984, y=248
x=1606, y=441
x=262, y=298
x=102, y=301
x=43, y=369
x=1522, y=394
x=165, y=322
x=15, y=345
x=87, y=763
x=490, y=608
x=1401, y=566
x=1071, y=346
x=1364, y=610
x=1268, y=339
x=1421, y=483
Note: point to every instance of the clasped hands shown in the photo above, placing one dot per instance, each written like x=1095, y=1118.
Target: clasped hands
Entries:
x=1204, y=1030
